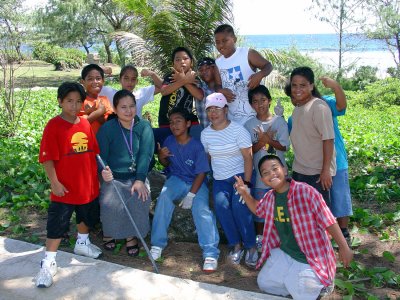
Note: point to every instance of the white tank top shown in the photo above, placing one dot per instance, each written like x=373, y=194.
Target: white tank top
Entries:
x=235, y=72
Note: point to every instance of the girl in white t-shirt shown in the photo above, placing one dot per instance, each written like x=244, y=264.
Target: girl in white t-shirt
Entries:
x=128, y=77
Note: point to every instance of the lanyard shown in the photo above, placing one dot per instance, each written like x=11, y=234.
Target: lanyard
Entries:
x=129, y=145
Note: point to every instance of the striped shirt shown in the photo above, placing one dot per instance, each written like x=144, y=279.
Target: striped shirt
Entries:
x=224, y=148
x=310, y=217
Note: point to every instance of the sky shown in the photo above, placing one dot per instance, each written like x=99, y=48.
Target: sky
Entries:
x=268, y=17
x=276, y=17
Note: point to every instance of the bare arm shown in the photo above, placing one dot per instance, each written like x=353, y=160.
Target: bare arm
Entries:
x=256, y=61
x=163, y=155
x=229, y=95
x=248, y=163
x=57, y=187
x=197, y=182
x=325, y=176
x=345, y=254
x=341, y=102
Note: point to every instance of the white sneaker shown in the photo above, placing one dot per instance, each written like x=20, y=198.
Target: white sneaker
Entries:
x=155, y=252
x=251, y=259
x=210, y=264
x=87, y=249
x=44, y=278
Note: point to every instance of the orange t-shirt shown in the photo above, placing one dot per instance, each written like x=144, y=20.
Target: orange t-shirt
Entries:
x=91, y=103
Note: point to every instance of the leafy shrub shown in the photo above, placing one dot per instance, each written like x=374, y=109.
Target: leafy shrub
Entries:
x=386, y=91
x=61, y=58
x=365, y=75
x=394, y=72
x=296, y=59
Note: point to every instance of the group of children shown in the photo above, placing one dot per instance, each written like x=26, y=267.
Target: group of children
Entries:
x=223, y=120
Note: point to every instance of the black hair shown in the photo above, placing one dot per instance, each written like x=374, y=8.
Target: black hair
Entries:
x=288, y=89
x=127, y=68
x=67, y=87
x=261, y=89
x=121, y=94
x=180, y=111
x=181, y=49
x=224, y=28
x=90, y=67
x=269, y=157
x=308, y=74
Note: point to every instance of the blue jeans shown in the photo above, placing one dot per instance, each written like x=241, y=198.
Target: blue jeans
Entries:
x=235, y=218
x=173, y=190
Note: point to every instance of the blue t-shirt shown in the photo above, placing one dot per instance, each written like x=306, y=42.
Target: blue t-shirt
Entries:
x=341, y=155
x=188, y=160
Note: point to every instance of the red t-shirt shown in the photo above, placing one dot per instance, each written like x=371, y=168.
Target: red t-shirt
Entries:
x=73, y=148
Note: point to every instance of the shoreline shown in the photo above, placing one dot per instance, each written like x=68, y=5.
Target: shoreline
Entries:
x=380, y=59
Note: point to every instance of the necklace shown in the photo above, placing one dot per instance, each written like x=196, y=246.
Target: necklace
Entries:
x=129, y=146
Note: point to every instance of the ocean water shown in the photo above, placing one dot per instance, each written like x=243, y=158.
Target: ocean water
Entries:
x=313, y=42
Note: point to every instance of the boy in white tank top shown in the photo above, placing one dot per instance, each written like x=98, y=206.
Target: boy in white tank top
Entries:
x=237, y=73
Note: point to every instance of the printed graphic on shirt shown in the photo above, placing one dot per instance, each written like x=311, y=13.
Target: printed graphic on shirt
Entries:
x=189, y=162
x=268, y=148
x=79, y=143
x=176, y=98
x=233, y=79
x=235, y=74
x=280, y=215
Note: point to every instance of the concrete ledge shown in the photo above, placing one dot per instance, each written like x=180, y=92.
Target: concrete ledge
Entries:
x=80, y=277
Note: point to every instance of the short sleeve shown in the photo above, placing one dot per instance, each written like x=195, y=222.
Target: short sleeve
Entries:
x=243, y=137
x=49, y=149
x=323, y=121
x=331, y=101
x=201, y=164
x=145, y=95
x=204, y=140
x=282, y=132
x=249, y=125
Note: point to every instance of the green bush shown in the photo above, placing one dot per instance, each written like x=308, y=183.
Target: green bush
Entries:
x=61, y=58
x=365, y=75
x=382, y=92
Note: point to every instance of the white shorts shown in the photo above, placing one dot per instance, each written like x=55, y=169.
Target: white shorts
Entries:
x=282, y=275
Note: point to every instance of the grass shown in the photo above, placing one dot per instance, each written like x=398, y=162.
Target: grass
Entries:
x=38, y=73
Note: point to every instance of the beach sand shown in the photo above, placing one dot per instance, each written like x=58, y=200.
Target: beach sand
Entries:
x=380, y=59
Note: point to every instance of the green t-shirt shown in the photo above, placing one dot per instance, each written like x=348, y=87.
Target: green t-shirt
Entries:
x=283, y=225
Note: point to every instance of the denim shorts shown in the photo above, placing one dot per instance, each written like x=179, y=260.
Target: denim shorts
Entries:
x=258, y=194
x=340, y=195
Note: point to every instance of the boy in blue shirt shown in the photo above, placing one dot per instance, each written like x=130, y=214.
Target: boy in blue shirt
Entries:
x=188, y=164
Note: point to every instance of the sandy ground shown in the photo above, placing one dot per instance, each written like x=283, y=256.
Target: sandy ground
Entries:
x=380, y=59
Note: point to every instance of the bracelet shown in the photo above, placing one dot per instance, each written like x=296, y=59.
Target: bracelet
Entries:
x=248, y=183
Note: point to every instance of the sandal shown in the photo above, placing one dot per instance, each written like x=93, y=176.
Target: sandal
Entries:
x=109, y=245
x=132, y=250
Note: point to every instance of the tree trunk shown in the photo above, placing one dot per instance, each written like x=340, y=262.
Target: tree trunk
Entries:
x=121, y=54
x=341, y=20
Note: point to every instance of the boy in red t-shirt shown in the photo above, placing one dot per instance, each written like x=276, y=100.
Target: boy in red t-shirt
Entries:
x=95, y=108
x=68, y=153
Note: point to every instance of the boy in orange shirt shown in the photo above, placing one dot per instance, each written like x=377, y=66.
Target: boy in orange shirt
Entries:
x=95, y=108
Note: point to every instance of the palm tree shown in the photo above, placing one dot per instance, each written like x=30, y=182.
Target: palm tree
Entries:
x=166, y=25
